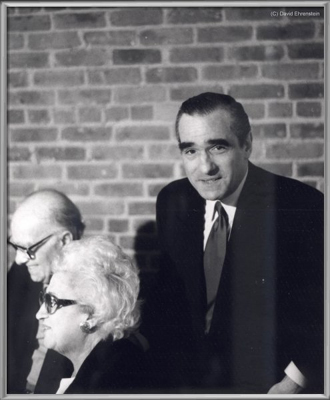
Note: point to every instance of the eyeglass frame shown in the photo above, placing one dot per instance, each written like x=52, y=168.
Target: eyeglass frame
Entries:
x=59, y=303
x=29, y=250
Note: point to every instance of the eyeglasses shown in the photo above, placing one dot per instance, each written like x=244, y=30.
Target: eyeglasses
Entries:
x=52, y=303
x=31, y=250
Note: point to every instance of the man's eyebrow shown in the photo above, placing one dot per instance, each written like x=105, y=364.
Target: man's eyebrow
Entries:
x=211, y=142
x=185, y=145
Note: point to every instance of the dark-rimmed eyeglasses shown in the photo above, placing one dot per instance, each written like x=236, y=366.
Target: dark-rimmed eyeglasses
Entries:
x=52, y=303
x=31, y=250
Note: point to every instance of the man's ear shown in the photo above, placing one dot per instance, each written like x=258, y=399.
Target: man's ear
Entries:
x=248, y=145
x=66, y=238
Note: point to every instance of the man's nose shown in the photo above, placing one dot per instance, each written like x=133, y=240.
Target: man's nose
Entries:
x=21, y=257
x=207, y=164
x=42, y=313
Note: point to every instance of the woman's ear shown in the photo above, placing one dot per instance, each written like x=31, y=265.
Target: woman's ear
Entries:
x=66, y=238
x=88, y=326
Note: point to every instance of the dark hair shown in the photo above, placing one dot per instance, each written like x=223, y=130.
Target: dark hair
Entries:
x=206, y=103
x=63, y=211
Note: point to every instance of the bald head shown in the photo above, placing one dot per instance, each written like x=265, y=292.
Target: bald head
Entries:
x=45, y=214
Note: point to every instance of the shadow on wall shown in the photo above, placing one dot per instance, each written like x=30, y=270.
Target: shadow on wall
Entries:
x=146, y=250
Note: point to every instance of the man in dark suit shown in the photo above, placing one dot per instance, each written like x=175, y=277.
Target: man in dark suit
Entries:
x=262, y=328
x=43, y=223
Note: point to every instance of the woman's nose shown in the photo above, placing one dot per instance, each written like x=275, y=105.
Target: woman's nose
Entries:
x=21, y=257
x=42, y=312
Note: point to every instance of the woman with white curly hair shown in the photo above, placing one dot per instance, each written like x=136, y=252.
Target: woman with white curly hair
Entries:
x=89, y=312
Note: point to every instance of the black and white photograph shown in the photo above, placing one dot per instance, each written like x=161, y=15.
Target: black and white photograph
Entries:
x=164, y=199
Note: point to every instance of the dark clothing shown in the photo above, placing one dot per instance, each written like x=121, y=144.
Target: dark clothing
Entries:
x=270, y=303
x=111, y=367
x=22, y=327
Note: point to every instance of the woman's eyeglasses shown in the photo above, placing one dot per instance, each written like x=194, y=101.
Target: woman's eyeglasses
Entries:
x=31, y=250
x=52, y=303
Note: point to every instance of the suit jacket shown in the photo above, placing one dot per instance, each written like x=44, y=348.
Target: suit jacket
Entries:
x=22, y=327
x=270, y=303
x=111, y=367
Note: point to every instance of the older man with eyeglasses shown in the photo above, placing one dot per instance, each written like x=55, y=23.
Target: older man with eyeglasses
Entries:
x=44, y=222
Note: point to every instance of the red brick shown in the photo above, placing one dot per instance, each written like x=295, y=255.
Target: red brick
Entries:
x=196, y=54
x=186, y=15
x=84, y=96
x=79, y=20
x=87, y=134
x=166, y=112
x=147, y=171
x=38, y=116
x=310, y=169
x=248, y=13
x=82, y=57
x=15, y=41
x=118, y=225
x=164, y=152
x=292, y=150
x=279, y=168
x=15, y=116
x=139, y=208
x=32, y=97
x=29, y=10
x=60, y=153
x=17, y=79
x=119, y=189
x=117, y=153
x=136, y=16
x=166, y=36
x=171, y=74
x=64, y=116
x=309, y=109
x=53, y=40
x=286, y=32
x=142, y=113
x=85, y=171
x=105, y=208
x=291, y=71
x=140, y=94
x=94, y=224
x=307, y=131
x=280, y=110
x=29, y=23
x=306, y=90
x=136, y=56
x=115, y=76
x=155, y=188
x=255, y=110
x=306, y=51
x=71, y=189
x=90, y=114
x=228, y=72
x=142, y=133
x=33, y=134
x=184, y=92
x=110, y=38
x=116, y=114
x=257, y=91
x=19, y=154
x=37, y=172
x=144, y=226
x=224, y=34
x=28, y=60
x=269, y=131
x=58, y=78
x=141, y=243
x=19, y=189
x=256, y=53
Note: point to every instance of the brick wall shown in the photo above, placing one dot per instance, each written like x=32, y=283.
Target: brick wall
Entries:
x=93, y=94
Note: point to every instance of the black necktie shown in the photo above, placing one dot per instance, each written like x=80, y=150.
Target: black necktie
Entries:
x=214, y=256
